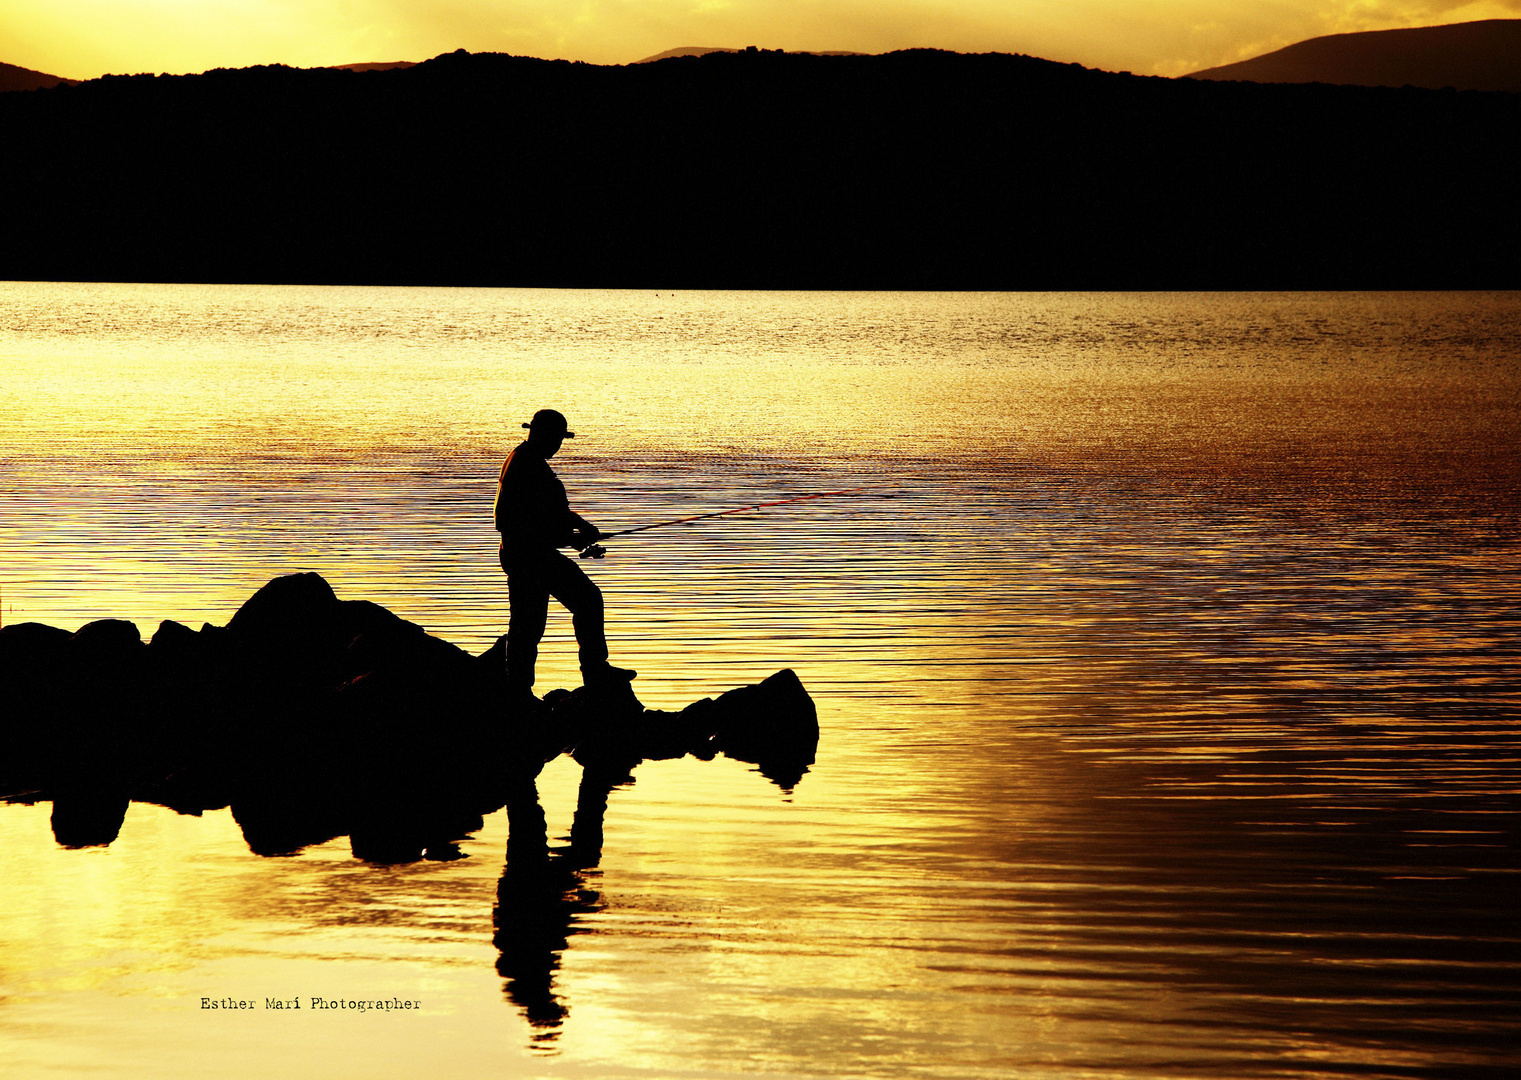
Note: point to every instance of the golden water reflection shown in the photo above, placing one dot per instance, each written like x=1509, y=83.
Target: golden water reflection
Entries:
x=1166, y=676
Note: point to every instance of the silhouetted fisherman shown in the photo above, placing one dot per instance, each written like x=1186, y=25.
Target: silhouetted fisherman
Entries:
x=535, y=519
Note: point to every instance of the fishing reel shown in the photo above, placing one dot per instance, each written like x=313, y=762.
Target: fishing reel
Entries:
x=593, y=551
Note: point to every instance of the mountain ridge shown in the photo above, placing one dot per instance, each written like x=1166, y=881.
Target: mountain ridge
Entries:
x=20, y=78
x=704, y=50
x=760, y=170
x=1483, y=55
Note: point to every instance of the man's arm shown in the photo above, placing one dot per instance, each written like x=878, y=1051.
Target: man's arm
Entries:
x=584, y=533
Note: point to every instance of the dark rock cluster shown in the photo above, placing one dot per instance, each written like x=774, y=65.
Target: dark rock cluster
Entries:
x=315, y=717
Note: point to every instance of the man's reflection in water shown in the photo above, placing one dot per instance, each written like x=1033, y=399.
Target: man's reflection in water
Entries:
x=542, y=893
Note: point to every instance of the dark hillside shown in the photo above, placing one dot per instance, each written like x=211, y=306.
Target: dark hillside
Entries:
x=1465, y=56
x=383, y=65
x=910, y=170
x=20, y=78
x=684, y=50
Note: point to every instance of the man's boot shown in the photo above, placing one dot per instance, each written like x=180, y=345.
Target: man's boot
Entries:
x=606, y=673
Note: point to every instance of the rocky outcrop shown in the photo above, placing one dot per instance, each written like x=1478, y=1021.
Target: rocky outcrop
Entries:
x=315, y=717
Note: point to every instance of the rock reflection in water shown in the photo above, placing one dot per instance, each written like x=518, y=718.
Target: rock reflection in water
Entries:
x=314, y=718
x=544, y=893
x=1172, y=700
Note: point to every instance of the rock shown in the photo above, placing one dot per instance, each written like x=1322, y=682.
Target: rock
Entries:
x=494, y=659
x=101, y=697
x=173, y=639
x=405, y=647
x=30, y=640
x=106, y=641
x=32, y=659
x=316, y=717
x=602, y=724
x=290, y=611
x=773, y=722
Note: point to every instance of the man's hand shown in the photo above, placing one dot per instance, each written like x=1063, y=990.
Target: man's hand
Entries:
x=585, y=537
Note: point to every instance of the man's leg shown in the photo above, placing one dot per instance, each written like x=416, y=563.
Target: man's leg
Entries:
x=569, y=584
x=528, y=603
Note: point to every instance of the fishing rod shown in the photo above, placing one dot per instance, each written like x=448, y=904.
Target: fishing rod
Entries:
x=596, y=551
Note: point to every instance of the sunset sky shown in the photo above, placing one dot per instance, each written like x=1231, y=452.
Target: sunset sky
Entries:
x=87, y=38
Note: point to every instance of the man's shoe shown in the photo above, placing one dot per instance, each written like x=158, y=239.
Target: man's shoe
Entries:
x=606, y=673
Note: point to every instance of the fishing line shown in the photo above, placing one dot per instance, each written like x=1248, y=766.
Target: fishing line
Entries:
x=596, y=551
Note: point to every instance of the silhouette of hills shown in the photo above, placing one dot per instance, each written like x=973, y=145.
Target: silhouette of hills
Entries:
x=1465, y=56
x=918, y=169
x=684, y=50
x=384, y=65
x=20, y=78
x=703, y=50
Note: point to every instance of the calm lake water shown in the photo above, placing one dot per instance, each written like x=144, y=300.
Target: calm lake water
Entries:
x=1166, y=667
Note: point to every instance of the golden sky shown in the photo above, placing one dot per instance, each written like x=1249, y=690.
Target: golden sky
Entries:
x=85, y=38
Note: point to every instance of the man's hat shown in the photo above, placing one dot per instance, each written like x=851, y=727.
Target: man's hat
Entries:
x=550, y=420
